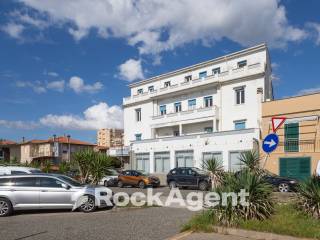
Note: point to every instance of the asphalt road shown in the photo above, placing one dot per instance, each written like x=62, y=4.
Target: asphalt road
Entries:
x=144, y=223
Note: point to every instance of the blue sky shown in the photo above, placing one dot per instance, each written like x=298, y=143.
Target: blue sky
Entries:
x=65, y=65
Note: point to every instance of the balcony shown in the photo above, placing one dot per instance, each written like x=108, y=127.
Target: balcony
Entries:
x=189, y=116
x=37, y=154
x=249, y=70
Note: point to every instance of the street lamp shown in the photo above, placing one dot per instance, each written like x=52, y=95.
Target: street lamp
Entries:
x=68, y=136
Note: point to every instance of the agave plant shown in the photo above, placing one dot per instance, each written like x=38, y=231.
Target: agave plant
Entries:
x=251, y=161
x=215, y=169
x=309, y=196
x=260, y=203
x=46, y=167
x=64, y=167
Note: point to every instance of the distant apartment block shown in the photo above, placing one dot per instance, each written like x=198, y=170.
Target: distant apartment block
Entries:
x=110, y=137
x=298, y=152
x=211, y=109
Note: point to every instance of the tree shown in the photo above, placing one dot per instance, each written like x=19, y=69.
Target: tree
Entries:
x=215, y=169
x=251, y=161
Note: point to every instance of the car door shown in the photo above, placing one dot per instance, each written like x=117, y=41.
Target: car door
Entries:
x=25, y=192
x=180, y=177
x=190, y=178
x=54, y=194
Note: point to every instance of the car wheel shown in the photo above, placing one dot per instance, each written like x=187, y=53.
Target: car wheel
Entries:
x=120, y=184
x=89, y=205
x=283, y=187
x=105, y=183
x=172, y=184
x=203, y=186
x=6, y=208
x=141, y=185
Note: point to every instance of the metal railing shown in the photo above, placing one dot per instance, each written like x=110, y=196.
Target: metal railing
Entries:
x=296, y=145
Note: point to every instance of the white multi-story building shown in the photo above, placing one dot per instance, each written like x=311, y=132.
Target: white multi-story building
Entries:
x=211, y=109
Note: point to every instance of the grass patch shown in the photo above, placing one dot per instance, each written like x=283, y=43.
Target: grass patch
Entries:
x=286, y=220
x=203, y=222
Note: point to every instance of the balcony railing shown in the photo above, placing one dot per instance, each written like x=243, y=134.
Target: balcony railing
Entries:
x=222, y=76
x=36, y=154
x=296, y=145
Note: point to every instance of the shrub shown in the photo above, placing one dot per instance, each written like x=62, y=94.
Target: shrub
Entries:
x=251, y=161
x=215, y=169
x=309, y=196
x=260, y=203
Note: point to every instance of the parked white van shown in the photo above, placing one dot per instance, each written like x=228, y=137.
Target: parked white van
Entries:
x=16, y=170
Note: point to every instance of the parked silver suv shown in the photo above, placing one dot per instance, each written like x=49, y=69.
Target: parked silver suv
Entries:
x=50, y=191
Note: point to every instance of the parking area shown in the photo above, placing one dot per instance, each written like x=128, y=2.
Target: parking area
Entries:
x=122, y=223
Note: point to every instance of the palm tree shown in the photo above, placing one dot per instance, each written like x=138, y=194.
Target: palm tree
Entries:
x=215, y=169
x=64, y=167
x=251, y=161
x=46, y=167
x=82, y=160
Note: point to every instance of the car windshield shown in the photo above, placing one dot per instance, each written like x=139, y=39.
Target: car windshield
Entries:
x=35, y=171
x=200, y=171
x=142, y=173
x=70, y=181
x=111, y=172
x=267, y=173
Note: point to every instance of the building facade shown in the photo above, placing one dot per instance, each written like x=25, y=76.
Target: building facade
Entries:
x=110, y=137
x=55, y=150
x=8, y=151
x=211, y=109
x=298, y=152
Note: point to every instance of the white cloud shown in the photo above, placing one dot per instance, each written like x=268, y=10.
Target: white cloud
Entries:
x=53, y=74
x=155, y=26
x=13, y=30
x=77, y=84
x=308, y=91
x=316, y=28
x=56, y=85
x=131, y=70
x=36, y=86
x=95, y=117
x=26, y=125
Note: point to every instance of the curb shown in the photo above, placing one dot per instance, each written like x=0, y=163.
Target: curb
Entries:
x=180, y=235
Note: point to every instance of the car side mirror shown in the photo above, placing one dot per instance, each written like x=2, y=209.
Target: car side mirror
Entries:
x=66, y=186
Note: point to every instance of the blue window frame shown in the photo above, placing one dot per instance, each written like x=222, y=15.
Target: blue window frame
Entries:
x=242, y=64
x=203, y=74
x=216, y=71
x=151, y=88
x=177, y=107
x=138, y=136
x=239, y=125
x=208, y=101
x=163, y=109
x=192, y=104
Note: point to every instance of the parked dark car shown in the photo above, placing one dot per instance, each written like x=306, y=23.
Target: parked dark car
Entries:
x=282, y=184
x=188, y=177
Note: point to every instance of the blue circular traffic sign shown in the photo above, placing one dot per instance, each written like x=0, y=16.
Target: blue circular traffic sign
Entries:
x=270, y=142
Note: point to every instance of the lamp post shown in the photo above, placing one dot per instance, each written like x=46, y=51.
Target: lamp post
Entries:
x=68, y=136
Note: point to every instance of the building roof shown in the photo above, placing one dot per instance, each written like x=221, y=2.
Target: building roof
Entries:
x=260, y=47
x=6, y=142
x=61, y=139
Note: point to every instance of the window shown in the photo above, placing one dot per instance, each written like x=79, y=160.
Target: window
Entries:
x=140, y=91
x=216, y=71
x=239, y=124
x=291, y=137
x=17, y=172
x=176, y=133
x=234, y=162
x=142, y=160
x=188, y=78
x=192, y=104
x=242, y=64
x=208, y=129
x=1, y=153
x=240, y=95
x=167, y=84
x=208, y=101
x=203, y=75
x=138, y=136
x=211, y=155
x=162, y=162
x=177, y=107
x=50, y=182
x=163, y=109
x=5, y=182
x=25, y=182
x=184, y=158
x=138, y=115
x=151, y=88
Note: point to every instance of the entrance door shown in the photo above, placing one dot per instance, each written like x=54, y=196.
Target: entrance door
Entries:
x=295, y=167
